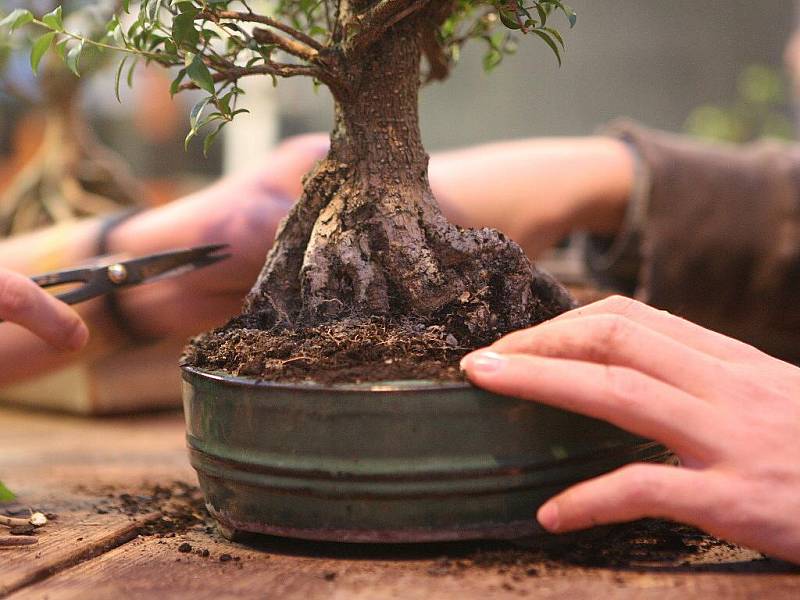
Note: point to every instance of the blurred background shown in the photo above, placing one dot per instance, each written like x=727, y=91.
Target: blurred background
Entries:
x=68, y=148
x=713, y=68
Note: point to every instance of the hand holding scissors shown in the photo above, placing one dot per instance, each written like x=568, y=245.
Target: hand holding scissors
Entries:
x=23, y=302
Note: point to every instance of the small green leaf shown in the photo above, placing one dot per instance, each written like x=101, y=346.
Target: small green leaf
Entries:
x=73, y=57
x=509, y=19
x=126, y=5
x=6, y=495
x=174, y=87
x=131, y=71
x=40, y=46
x=211, y=137
x=198, y=72
x=118, y=76
x=183, y=31
x=197, y=111
x=555, y=35
x=54, y=20
x=549, y=41
x=17, y=18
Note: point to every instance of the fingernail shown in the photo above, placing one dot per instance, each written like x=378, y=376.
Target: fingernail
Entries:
x=548, y=516
x=484, y=361
x=79, y=338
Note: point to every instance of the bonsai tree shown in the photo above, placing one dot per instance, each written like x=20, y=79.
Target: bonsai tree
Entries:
x=71, y=174
x=366, y=239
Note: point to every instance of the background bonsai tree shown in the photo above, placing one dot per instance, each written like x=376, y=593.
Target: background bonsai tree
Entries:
x=366, y=238
x=71, y=174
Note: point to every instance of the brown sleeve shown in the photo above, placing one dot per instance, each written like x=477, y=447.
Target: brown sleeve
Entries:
x=719, y=240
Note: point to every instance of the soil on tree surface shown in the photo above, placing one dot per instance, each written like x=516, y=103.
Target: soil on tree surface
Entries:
x=346, y=351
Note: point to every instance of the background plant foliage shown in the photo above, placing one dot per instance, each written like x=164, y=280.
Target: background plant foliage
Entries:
x=761, y=108
x=211, y=44
x=6, y=495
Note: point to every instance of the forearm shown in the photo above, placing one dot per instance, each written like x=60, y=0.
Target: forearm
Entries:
x=536, y=191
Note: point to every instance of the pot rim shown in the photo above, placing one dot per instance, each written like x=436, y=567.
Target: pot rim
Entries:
x=394, y=387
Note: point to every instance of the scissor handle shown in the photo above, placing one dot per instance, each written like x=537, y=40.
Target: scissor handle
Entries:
x=93, y=285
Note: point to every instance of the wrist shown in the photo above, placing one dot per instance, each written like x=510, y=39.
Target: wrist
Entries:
x=606, y=186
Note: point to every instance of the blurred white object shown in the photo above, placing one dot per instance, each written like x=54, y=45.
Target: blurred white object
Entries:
x=251, y=135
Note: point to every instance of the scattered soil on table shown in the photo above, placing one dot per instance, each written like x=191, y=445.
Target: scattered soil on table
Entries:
x=643, y=545
x=180, y=504
x=344, y=351
x=647, y=544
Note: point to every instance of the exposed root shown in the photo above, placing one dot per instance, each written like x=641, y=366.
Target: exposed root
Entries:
x=339, y=256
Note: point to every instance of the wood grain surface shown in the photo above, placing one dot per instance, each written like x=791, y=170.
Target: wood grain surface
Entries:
x=73, y=467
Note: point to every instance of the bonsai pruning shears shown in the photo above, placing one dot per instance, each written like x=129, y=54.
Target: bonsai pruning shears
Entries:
x=102, y=280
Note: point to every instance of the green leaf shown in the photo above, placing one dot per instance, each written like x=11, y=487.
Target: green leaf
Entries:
x=211, y=137
x=73, y=57
x=131, y=71
x=198, y=72
x=17, y=18
x=40, y=46
x=183, y=31
x=549, y=41
x=118, y=76
x=174, y=87
x=509, y=19
x=6, y=495
x=197, y=111
x=54, y=20
x=555, y=35
x=126, y=6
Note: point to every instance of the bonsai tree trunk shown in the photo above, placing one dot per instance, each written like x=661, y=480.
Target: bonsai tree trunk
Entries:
x=367, y=237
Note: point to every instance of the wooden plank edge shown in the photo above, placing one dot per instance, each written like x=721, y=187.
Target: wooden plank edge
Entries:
x=106, y=543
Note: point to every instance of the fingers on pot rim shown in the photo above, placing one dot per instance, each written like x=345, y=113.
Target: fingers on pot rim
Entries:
x=624, y=397
x=619, y=341
x=26, y=304
x=693, y=335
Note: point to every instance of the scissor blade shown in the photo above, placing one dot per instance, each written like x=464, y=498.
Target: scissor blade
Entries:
x=170, y=264
x=197, y=264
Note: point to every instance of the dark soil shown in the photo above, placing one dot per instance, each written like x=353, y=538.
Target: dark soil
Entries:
x=342, y=351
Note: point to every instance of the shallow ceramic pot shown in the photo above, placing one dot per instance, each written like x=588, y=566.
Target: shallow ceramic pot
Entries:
x=407, y=461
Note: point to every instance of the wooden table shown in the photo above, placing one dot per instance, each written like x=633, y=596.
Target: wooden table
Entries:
x=78, y=468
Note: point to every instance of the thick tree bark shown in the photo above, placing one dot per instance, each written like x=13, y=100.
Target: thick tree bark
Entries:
x=367, y=237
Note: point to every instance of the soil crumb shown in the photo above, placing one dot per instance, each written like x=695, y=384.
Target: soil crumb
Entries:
x=647, y=544
x=180, y=504
x=352, y=351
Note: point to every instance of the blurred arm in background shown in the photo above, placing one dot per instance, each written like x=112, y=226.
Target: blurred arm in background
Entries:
x=242, y=211
x=707, y=231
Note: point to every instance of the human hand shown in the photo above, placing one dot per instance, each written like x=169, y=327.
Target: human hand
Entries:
x=729, y=412
x=536, y=191
x=242, y=211
x=26, y=304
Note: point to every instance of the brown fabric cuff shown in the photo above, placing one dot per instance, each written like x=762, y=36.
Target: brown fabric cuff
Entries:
x=614, y=262
x=720, y=240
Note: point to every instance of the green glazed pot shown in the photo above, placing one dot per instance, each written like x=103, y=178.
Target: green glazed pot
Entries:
x=407, y=461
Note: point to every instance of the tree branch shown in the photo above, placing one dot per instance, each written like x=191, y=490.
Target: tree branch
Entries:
x=276, y=69
x=263, y=20
x=379, y=18
x=439, y=64
x=267, y=36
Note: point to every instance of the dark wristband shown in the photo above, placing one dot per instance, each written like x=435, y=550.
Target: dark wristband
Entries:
x=111, y=301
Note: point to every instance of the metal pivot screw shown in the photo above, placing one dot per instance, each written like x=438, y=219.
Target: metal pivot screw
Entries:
x=117, y=273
